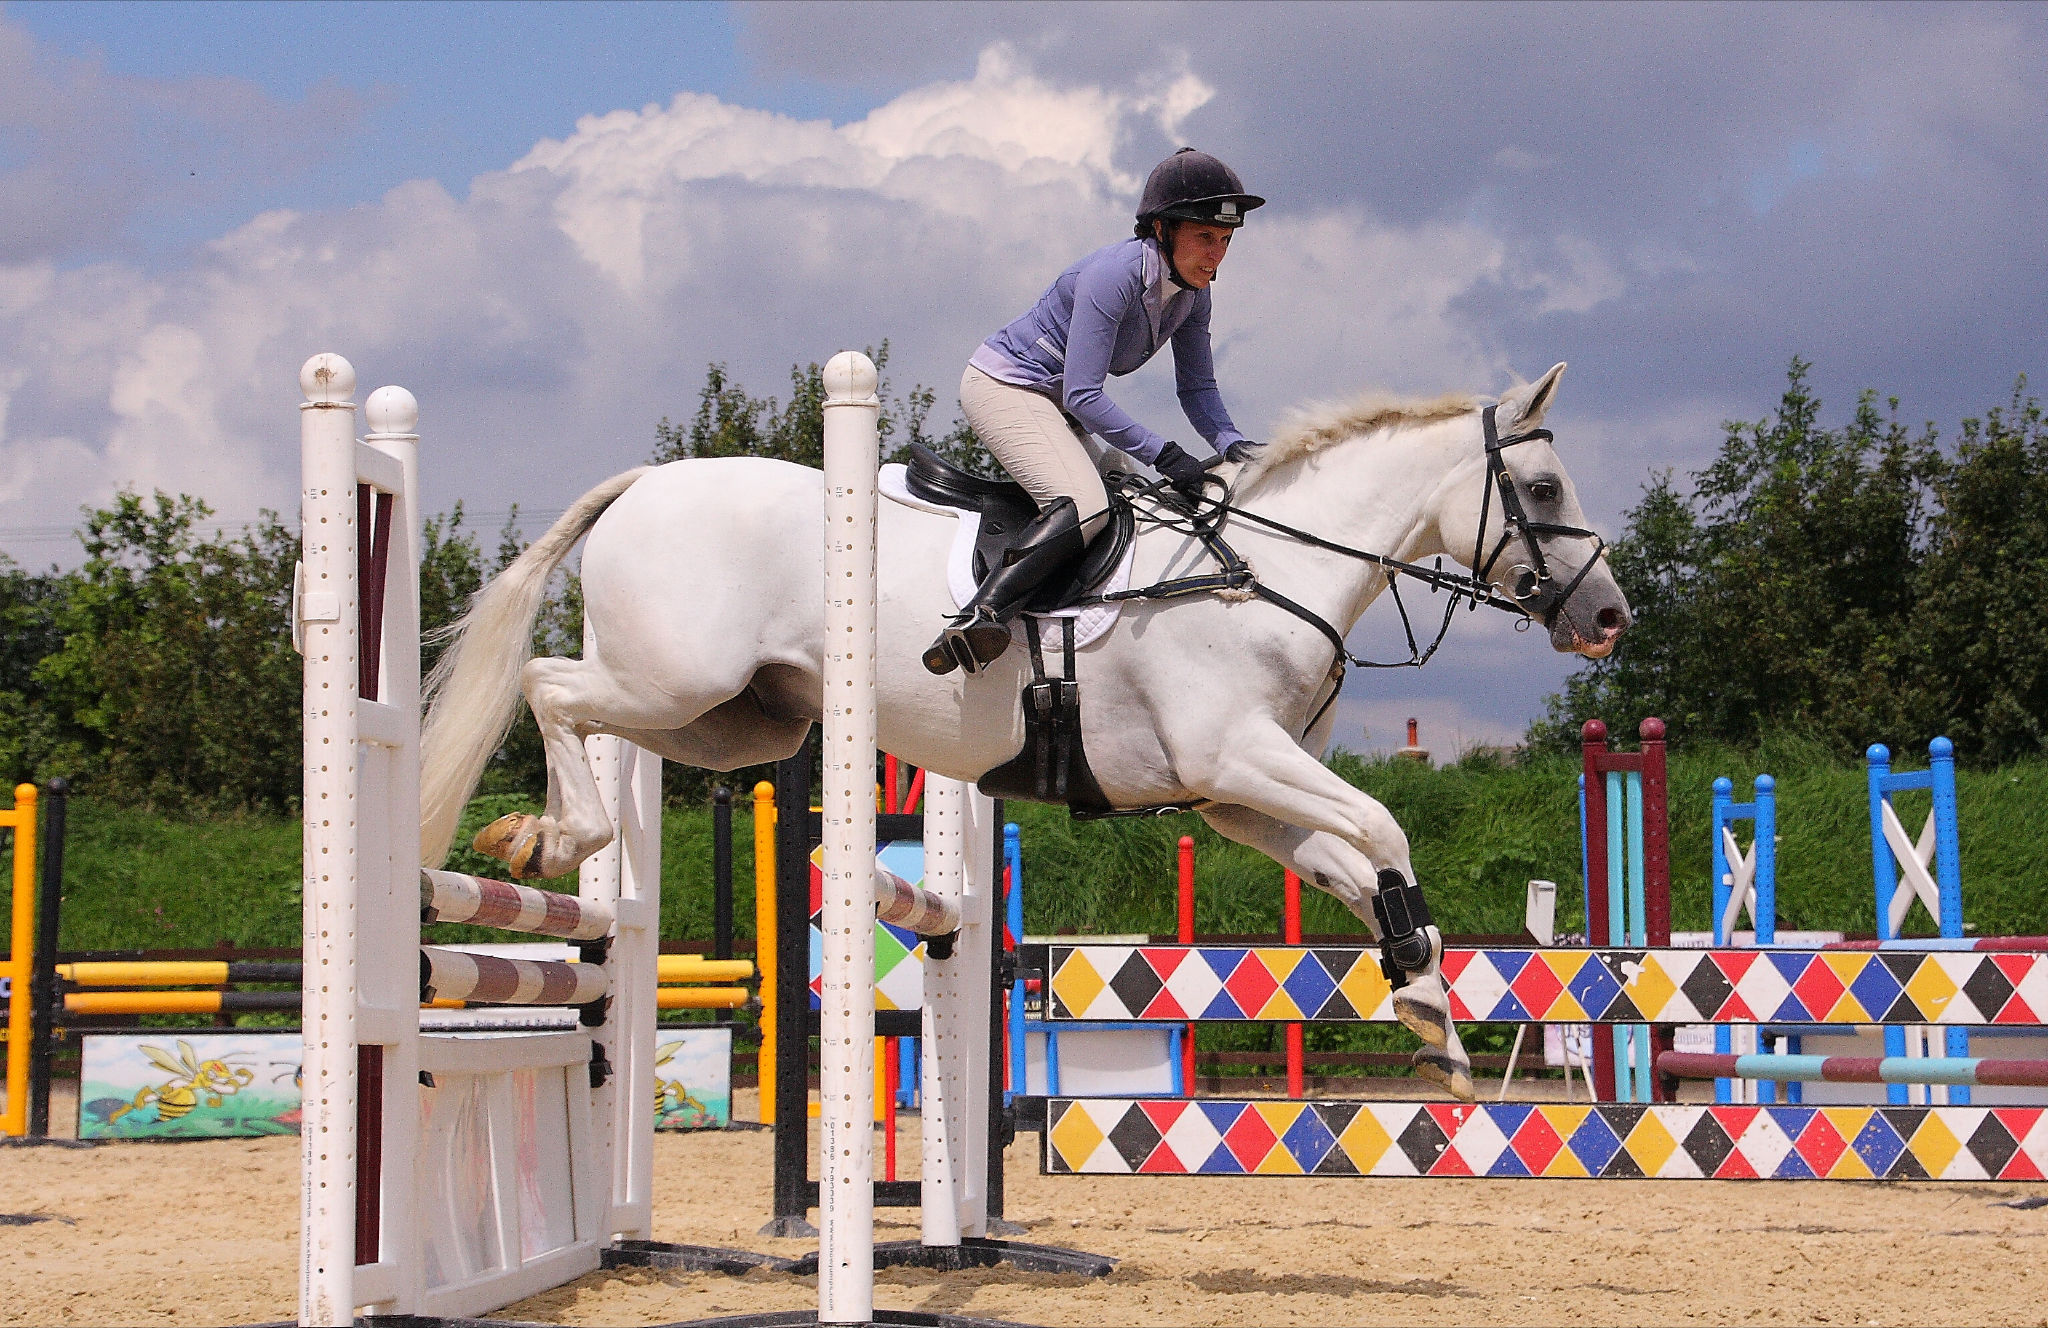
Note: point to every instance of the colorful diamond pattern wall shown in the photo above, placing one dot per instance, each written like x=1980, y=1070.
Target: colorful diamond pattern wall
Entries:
x=1181, y=1136
x=1343, y=984
x=899, y=954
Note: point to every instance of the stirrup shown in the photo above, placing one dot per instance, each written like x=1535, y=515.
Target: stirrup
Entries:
x=971, y=641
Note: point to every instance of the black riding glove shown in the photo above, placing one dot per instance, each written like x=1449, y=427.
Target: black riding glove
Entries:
x=1182, y=471
x=1243, y=450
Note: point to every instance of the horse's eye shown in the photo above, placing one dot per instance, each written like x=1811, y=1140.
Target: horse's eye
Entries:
x=1544, y=491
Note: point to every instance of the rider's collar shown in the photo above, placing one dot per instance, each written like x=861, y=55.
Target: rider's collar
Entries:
x=1163, y=280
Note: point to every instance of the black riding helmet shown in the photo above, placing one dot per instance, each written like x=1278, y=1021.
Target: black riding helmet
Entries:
x=1194, y=186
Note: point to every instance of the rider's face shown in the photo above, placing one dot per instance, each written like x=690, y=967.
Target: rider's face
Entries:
x=1198, y=251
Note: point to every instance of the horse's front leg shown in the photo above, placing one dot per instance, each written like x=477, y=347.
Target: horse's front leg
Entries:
x=558, y=691
x=1296, y=811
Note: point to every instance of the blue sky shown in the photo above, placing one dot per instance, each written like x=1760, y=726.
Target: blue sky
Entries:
x=547, y=219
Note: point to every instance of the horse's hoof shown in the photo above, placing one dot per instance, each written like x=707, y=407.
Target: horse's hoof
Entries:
x=513, y=839
x=1424, y=1010
x=1454, y=1077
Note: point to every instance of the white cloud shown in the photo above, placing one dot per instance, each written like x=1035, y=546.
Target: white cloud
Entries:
x=570, y=301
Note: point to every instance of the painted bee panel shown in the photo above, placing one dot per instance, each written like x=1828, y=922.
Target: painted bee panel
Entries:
x=1181, y=1136
x=1343, y=984
x=173, y=1085
x=693, y=1077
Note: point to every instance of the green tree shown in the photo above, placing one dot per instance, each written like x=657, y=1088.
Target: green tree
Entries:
x=175, y=683
x=1776, y=594
x=451, y=571
x=731, y=422
x=1976, y=646
x=29, y=607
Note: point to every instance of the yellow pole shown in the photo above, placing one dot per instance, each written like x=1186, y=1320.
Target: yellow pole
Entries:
x=700, y=998
x=146, y=973
x=673, y=968
x=21, y=958
x=764, y=938
x=881, y=1079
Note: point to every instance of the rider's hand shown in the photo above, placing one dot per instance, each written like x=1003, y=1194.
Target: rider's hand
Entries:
x=1182, y=471
x=1243, y=450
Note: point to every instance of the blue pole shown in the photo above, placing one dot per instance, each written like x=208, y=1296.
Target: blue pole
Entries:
x=1617, y=922
x=1885, y=879
x=1766, y=860
x=1638, y=926
x=1766, y=889
x=1013, y=915
x=1724, y=1036
x=1948, y=876
x=1585, y=870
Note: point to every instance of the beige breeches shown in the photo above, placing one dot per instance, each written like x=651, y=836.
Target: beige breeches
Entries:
x=1030, y=435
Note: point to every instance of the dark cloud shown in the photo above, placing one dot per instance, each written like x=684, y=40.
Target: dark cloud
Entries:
x=1852, y=183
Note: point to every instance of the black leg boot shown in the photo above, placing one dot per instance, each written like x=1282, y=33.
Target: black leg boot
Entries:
x=980, y=632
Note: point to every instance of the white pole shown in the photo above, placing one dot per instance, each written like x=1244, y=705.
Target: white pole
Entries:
x=327, y=615
x=846, y=1197
x=945, y=870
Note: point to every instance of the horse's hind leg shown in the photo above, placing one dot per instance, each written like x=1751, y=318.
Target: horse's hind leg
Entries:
x=570, y=699
x=1422, y=1004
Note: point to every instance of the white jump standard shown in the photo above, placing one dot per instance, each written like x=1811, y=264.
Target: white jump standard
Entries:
x=445, y=1173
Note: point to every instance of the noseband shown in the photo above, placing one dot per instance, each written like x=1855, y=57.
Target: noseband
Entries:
x=1533, y=589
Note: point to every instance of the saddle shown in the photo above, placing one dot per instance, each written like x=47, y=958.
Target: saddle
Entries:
x=1053, y=764
x=1005, y=509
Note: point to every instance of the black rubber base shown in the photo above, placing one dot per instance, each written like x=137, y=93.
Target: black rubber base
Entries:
x=969, y=1253
x=883, y=1319
x=976, y=1253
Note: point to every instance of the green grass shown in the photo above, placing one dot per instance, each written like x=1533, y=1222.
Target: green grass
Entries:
x=1478, y=830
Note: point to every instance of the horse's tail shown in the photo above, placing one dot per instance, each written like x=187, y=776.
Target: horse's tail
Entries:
x=473, y=692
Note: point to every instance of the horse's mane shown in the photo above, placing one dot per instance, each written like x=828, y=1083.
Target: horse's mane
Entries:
x=1317, y=425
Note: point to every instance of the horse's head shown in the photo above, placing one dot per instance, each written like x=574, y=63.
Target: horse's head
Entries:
x=1523, y=529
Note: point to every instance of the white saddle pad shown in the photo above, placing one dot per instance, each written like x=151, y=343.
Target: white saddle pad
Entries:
x=1090, y=621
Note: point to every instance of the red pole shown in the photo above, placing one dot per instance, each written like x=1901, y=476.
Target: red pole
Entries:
x=1593, y=746
x=1290, y=930
x=1657, y=880
x=916, y=790
x=1187, y=937
x=892, y=1078
x=890, y=775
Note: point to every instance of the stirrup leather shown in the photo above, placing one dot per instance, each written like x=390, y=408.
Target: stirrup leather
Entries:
x=980, y=632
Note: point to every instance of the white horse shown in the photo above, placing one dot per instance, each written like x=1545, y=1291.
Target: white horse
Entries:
x=704, y=619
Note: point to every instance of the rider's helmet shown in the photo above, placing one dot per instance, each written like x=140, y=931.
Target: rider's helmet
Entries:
x=1194, y=186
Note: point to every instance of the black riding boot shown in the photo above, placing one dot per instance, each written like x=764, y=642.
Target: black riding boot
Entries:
x=980, y=632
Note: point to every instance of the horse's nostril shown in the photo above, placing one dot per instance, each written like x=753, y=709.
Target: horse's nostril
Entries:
x=1612, y=619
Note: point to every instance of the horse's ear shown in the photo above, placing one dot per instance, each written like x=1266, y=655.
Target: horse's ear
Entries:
x=1525, y=405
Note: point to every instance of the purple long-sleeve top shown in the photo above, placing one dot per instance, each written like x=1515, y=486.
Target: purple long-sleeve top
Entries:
x=1108, y=314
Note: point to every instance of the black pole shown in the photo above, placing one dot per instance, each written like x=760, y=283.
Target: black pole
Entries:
x=721, y=872
x=43, y=985
x=721, y=882
x=792, y=996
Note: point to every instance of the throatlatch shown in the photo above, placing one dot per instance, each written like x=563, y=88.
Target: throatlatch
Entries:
x=1409, y=941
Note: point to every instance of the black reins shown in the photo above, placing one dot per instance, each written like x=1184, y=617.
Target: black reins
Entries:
x=1534, y=596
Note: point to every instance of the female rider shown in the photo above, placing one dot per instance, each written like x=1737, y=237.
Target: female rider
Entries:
x=1033, y=391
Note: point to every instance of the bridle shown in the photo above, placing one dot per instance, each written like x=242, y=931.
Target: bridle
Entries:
x=1534, y=595
x=1534, y=592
